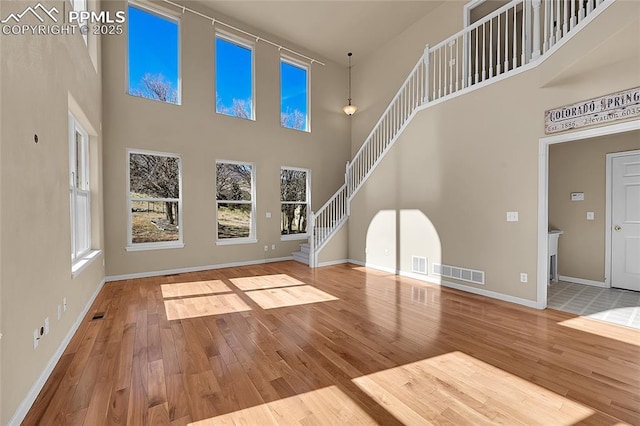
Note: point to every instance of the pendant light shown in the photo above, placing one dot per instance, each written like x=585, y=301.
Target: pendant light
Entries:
x=350, y=109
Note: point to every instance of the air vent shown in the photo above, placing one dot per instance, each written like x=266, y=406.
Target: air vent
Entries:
x=98, y=316
x=419, y=265
x=462, y=274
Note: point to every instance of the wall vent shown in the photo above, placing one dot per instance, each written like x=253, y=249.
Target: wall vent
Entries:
x=419, y=265
x=462, y=274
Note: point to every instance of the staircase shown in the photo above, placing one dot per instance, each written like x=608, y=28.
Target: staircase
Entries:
x=304, y=255
x=499, y=45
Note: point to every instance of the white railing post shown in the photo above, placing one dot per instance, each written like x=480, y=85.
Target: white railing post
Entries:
x=536, y=29
x=425, y=88
x=347, y=179
x=312, y=240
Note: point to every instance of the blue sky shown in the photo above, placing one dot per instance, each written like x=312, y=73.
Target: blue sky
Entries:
x=293, y=82
x=154, y=46
x=233, y=72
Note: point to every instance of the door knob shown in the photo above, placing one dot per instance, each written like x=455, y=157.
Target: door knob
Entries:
x=618, y=228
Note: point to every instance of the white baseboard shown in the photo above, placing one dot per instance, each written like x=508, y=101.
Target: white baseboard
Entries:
x=583, y=281
x=333, y=262
x=438, y=281
x=195, y=269
x=28, y=401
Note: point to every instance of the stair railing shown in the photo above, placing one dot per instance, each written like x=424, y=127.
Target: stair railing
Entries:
x=496, y=45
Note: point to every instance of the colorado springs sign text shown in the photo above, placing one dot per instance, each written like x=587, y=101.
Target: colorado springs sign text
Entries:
x=616, y=106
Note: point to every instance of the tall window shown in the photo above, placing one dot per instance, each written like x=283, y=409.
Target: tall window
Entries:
x=235, y=202
x=155, y=203
x=154, y=70
x=81, y=6
x=79, y=190
x=294, y=95
x=295, y=199
x=234, y=77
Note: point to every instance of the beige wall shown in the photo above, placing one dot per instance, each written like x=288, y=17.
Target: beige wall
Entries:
x=194, y=131
x=461, y=165
x=37, y=75
x=580, y=167
x=378, y=76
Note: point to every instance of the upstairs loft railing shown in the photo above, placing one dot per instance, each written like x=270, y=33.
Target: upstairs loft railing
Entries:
x=495, y=46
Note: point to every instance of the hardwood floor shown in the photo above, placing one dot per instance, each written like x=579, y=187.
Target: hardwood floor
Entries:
x=284, y=344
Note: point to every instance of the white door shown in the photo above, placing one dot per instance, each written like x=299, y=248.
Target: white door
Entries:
x=625, y=222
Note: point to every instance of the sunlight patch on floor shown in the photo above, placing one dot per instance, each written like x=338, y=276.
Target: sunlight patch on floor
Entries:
x=459, y=388
x=194, y=307
x=193, y=288
x=290, y=296
x=326, y=406
x=265, y=281
x=603, y=329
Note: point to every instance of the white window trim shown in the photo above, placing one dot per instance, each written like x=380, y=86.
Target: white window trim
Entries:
x=160, y=245
x=230, y=38
x=297, y=63
x=83, y=263
x=252, y=238
x=154, y=9
x=74, y=191
x=81, y=6
x=300, y=236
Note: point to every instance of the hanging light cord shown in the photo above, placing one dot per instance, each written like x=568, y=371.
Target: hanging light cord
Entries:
x=349, y=55
x=258, y=38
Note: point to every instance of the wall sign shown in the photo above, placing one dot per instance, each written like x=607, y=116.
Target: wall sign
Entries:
x=616, y=106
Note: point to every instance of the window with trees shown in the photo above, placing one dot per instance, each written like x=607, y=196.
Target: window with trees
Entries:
x=154, y=65
x=155, y=203
x=80, y=194
x=235, y=202
x=234, y=77
x=294, y=94
x=295, y=200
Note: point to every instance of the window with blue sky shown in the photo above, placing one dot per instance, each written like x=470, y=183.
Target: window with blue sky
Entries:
x=234, y=77
x=154, y=70
x=294, y=95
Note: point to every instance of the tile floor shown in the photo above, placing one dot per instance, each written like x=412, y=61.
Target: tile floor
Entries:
x=606, y=304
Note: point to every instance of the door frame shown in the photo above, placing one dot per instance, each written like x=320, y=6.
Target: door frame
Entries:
x=609, y=210
x=543, y=198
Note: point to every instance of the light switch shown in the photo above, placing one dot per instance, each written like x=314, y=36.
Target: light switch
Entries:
x=512, y=216
x=268, y=215
x=591, y=216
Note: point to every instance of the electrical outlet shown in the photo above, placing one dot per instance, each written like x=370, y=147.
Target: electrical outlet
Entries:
x=36, y=338
x=273, y=246
x=266, y=248
x=46, y=325
x=59, y=312
x=591, y=216
x=524, y=277
x=268, y=215
x=64, y=305
x=512, y=216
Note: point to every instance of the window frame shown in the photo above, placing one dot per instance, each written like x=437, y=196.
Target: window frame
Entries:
x=252, y=238
x=241, y=42
x=75, y=192
x=158, y=245
x=307, y=68
x=81, y=6
x=162, y=13
x=299, y=236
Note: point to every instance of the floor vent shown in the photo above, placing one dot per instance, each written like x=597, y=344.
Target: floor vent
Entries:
x=419, y=265
x=462, y=274
x=98, y=316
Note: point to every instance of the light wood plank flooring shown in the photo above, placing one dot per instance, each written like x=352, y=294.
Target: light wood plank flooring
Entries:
x=284, y=344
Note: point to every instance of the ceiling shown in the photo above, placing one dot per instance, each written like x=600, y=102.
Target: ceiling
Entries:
x=330, y=28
